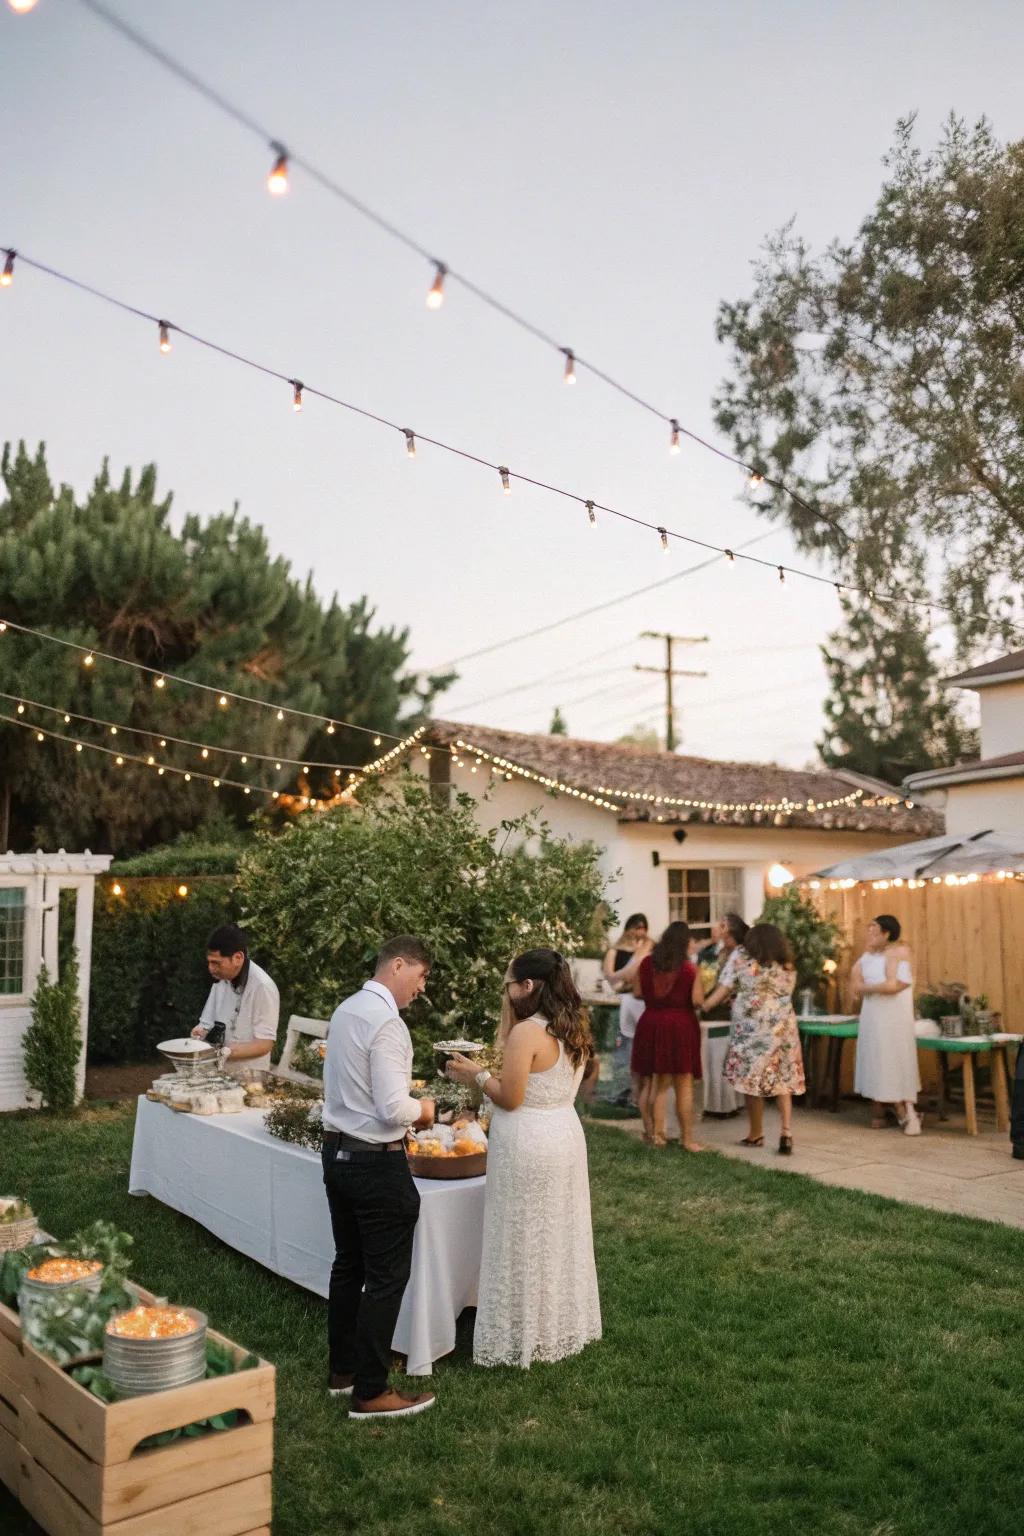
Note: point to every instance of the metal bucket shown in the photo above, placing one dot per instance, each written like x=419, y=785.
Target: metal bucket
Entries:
x=32, y=1294
x=139, y=1366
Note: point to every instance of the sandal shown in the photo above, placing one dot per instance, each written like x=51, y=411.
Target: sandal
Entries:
x=786, y=1145
x=752, y=1141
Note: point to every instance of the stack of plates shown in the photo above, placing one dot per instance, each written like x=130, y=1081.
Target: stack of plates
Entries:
x=138, y=1366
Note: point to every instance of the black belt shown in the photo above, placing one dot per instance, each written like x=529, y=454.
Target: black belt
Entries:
x=353, y=1146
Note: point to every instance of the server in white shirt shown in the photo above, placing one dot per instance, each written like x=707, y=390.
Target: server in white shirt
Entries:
x=374, y=1203
x=243, y=998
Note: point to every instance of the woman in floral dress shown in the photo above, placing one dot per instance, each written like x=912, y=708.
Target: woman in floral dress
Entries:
x=764, y=1059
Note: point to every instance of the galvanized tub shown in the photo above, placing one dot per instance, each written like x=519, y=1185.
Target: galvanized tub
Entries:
x=136, y=1366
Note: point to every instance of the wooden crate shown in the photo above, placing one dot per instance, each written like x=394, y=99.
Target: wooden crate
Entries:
x=80, y=1474
x=9, y=1462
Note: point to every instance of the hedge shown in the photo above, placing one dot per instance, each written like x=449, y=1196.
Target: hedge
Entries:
x=149, y=980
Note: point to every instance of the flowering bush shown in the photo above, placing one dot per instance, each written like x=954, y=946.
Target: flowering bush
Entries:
x=321, y=898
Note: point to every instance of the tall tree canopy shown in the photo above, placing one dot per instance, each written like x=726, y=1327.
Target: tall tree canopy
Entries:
x=207, y=602
x=883, y=381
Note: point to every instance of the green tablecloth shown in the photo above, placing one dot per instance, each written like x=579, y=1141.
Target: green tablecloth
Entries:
x=970, y=1044
x=836, y=1026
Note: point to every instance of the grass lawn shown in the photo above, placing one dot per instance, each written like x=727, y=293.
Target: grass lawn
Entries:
x=779, y=1357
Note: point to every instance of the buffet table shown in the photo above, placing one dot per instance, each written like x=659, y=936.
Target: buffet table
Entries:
x=266, y=1198
x=836, y=1028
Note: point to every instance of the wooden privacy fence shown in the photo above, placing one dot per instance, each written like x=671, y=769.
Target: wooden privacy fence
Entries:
x=973, y=934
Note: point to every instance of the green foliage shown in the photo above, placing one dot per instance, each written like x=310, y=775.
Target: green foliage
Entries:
x=53, y=1040
x=306, y=1058
x=324, y=895
x=216, y=850
x=882, y=381
x=295, y=1115
x=815, y=939
x=149, y=979
x=220, y=1361
x=70, y=1324
x=17, y=1210
x=887, y=714
x=206, y=601
x=558, y=726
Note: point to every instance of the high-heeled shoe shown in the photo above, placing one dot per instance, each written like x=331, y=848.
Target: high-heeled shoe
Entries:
x=786, y=1145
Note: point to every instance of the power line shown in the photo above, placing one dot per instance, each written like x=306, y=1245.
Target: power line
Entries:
x=443, y=270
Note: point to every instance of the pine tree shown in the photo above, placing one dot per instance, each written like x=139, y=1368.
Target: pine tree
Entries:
x=558, y=726
x=209, y=603
x=887, y=713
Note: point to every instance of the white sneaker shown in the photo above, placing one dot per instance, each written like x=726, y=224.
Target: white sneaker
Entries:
x=912, y=1124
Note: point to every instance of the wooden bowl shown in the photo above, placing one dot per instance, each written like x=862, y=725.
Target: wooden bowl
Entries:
x=471, y=1166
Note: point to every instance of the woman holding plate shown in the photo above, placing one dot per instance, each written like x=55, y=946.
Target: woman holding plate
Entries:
x=538, y=1297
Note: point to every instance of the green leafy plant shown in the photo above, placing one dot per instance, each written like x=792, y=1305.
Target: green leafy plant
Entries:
x=306, y=1058
x=70, y=1324
x=402, y=863
x=220, y=1361
x=16, y=1210
x=294, y=1116
x=815, y=939
x=931, y=1005
x=53, y=1040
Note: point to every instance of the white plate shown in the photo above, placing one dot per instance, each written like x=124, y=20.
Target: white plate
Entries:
x=185, y=1047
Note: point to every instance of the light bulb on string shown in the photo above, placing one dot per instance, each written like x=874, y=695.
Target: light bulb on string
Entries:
x=78, y=746
x=67, y=719
x=277, y=181
x=21, y=7
x=223, y=701
x=730, y=556
x=435, y=298
x=569, y=376
x=7, y=275
x=160, y=682
x=506, y=483
x=243, y=758
x=782, y=575
x=113, y=730
x=205, y=752
x=40, y=736
x=755, y=479
x=410, y=443
x=296, y=394
x=280, y=714
x=675, y=442
x=165, y=338
x=376, y=741
x=330, y=729
x=21, y=709
x=89, y=661
x=664, y=537
x=119, y=761
x=590, y=512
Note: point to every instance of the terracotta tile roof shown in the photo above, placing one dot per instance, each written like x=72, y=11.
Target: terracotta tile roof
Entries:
x=989, y=671
x=642, y=785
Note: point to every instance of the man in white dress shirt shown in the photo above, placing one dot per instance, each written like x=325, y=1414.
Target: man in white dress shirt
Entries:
x=243, y=998
x=374, y=1203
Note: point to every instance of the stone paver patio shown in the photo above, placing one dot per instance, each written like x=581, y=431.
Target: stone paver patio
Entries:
x=944, y=1168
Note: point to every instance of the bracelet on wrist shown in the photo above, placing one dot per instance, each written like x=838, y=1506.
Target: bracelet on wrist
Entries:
x=482, y=1078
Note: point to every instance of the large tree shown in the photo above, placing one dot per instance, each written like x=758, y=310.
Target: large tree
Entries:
x=208, y=602
x=882, y=381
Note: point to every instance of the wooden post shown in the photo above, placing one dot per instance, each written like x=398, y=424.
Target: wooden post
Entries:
x=969, y=1104
x=1000, y=1088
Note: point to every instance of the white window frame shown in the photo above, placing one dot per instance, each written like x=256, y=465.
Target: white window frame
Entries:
x=29, y=941
x=720, y=899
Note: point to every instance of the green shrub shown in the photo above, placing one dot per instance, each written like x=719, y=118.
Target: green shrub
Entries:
x=322, y=896
x=213, y=851
x=149, y=979
x=815, y=939
x=53, y=1040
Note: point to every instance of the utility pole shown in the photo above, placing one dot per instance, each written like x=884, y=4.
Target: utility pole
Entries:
x=668, y=673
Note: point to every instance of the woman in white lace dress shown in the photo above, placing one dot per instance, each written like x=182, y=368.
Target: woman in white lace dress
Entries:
x=538, y=1296
x=887, y=1071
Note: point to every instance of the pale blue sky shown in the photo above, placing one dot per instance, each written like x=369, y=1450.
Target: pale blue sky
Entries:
x=608, y=169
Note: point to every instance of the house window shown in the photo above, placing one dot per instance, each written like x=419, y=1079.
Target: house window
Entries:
x=12, y=941
x=701, y=896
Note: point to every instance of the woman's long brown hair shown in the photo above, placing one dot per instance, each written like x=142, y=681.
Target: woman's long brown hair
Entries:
x=556, y=998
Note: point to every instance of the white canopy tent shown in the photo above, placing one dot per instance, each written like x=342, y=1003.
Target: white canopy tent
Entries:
x=980, y=853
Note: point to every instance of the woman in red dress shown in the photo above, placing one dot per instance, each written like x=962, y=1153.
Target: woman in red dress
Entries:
x=666, y=1049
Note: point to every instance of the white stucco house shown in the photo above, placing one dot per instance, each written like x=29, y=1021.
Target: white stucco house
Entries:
x=681, y=837
x=34, y=888
x=987, y=794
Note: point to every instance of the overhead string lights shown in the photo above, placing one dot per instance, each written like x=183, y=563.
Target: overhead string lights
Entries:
x=410, y=443
x=591, y=514
x=674, y=444
x=300, y=390
x=204, y=748
x=7, y=275
x=569, y=374
x=435, y=295
x=165, y=336
x=224, y=698
x=278, y=183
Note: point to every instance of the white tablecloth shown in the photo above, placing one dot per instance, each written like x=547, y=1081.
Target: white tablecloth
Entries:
x=266, y=1198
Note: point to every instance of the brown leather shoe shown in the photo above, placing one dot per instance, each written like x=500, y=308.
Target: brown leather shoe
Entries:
x=391, y=1405
x=340, y=1386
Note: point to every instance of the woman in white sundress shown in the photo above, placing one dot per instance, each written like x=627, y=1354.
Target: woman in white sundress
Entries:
x=538, y=1297
x=887, y=1071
